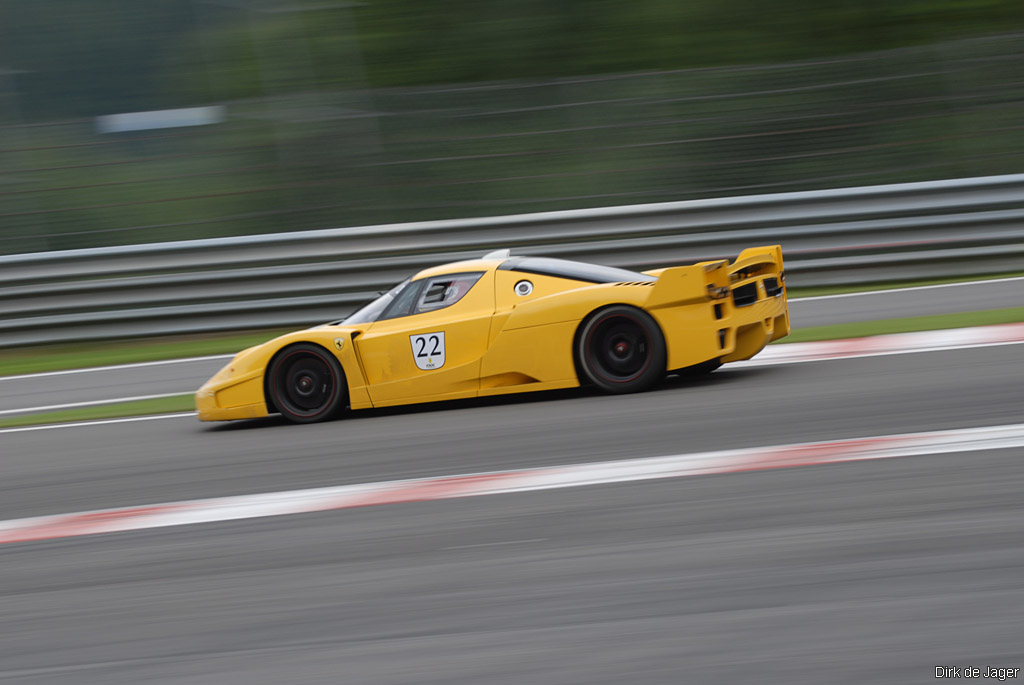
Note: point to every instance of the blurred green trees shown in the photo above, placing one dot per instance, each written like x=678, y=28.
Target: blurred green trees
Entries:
x=100, y=56
x=345, y=113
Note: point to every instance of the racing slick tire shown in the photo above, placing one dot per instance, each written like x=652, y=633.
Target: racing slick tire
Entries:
x=621, y=349
x=306, y=384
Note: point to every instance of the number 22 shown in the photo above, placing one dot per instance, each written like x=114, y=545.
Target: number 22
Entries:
x=423, y=346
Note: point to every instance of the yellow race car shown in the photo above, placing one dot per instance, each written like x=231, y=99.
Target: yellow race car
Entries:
x=504, y=324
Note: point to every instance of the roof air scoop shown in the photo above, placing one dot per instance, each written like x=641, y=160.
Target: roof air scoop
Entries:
x=498, y=254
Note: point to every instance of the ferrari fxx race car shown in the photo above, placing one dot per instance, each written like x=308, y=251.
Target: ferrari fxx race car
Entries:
x=506, y=324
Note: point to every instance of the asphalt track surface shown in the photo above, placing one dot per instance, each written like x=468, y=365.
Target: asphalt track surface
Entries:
x=874, y=571
x=40, y=391
x=952, y=298
x=49, y=391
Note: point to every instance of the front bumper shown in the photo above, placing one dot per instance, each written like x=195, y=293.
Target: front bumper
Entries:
x=226, y=397
x=206, y=406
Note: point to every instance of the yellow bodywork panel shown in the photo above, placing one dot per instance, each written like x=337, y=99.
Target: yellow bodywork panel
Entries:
x=415, y=357
x=239, y=394
x=515, y=330
x=537, y=354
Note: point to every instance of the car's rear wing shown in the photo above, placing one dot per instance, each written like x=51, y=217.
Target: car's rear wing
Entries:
x=715, y=279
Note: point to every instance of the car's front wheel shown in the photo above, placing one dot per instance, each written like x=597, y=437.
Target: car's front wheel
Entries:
x=306, y=384
x=621, y=349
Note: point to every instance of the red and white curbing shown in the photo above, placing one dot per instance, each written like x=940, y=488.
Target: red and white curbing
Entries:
x=898, y=343
x=471, y=485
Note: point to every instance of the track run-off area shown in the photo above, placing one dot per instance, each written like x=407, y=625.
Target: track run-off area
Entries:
x=850, y=515
x=56, y=390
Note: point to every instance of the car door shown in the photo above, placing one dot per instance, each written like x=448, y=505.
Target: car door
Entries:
x=427, y=345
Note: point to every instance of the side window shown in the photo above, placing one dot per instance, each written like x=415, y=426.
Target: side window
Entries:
x=403, y=302
x=444, y=291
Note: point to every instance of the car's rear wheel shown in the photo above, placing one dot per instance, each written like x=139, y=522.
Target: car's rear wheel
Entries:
x=306, y=384
x=621, y=349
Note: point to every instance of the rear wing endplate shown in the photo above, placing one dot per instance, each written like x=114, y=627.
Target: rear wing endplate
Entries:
x=701, y=282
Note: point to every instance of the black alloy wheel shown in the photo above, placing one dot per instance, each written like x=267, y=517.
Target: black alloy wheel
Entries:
x=621, y=349
x=306, y=384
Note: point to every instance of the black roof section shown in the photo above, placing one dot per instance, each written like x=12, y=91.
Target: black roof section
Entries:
x=577, y=271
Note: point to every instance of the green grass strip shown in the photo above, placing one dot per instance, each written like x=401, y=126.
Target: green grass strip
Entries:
x=183, y=403
x=63, y=356
x=58, y=357
x=917, y=323
x=163, y=405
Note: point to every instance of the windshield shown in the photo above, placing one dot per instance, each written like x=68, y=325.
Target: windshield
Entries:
x=372, y=311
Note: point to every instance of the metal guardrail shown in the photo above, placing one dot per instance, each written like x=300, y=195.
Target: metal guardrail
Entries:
x=846, y=236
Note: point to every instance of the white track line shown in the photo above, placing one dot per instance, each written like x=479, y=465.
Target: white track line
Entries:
x=115, y=367
x=523, y=480
x=187, y=360
x=891, y=353
x=798, y=353
x=92, y=403
x=904, y=290
x=101, y=422
x=883, y=345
